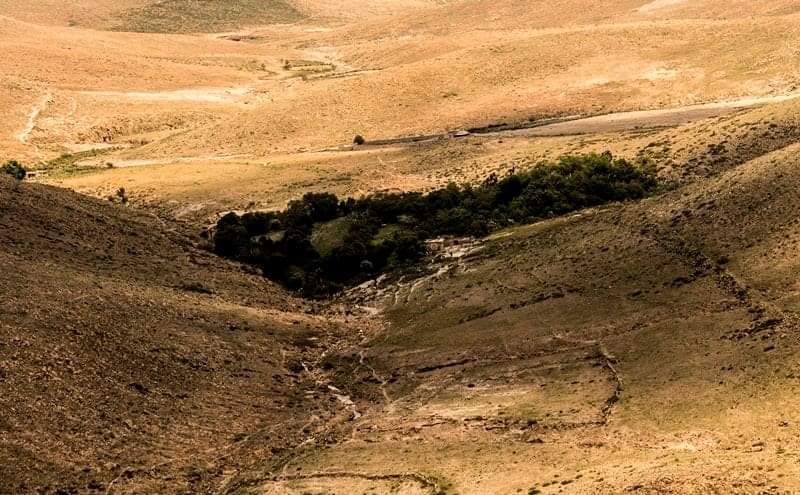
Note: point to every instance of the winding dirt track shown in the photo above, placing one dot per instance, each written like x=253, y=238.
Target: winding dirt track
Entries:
x=569, y=126
x=37, y=109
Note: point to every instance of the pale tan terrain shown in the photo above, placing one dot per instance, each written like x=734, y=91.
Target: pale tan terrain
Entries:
x=62, y=13
x=646, y=347
x=439, y=67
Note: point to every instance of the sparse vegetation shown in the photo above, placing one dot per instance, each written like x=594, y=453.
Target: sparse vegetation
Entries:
x=635, y=347
x=186, y=16
x=385, y=231
x=14, y=169
x=67, y=164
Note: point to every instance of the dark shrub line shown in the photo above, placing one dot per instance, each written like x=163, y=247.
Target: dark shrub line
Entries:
x=388, y=230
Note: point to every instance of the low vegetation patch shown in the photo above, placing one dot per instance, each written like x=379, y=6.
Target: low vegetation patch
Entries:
x=69, y=163
x=321, y=244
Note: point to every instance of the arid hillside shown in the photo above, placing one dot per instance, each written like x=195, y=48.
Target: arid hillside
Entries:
x=684, y=145
x=647, y=348
x=428, y=68
x=131, y=360
x=644, y=346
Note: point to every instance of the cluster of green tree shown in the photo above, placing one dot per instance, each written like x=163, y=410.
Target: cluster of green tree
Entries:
x=14, y=169
x=388, y=230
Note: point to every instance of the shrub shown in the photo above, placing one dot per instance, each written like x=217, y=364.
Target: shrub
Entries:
x=120, y=196
x=14, y=169
x=231, y=238
x=258, y=223
x=407, y=247
x=322, y=206
x=359, y=140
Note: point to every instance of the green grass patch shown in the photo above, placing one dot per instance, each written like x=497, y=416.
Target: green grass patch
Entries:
x=67, y=164
x=330, y=235
x=386, y=233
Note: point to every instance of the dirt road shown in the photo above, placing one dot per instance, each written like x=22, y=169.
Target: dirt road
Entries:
x=613, y=122
x=626, y=121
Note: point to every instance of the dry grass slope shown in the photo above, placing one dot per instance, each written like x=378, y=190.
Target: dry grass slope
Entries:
x=646, y=347
x=205, y=16
x=132, y=360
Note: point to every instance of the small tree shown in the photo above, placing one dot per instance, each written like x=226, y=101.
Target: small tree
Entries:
x=257, y=223
x=359, y=140
x=230, y=238
x=322, y=206
x=14, y=169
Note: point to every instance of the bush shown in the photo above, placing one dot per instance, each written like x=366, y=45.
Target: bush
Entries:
x=389, y=230
x=359, y=140
x=322, y=207
x=407, y=246
x=231, y=238
x=258, y=223
x=14, y=169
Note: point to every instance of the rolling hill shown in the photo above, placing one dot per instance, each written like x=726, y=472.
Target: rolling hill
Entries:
x=131, y=359
x=644, y=346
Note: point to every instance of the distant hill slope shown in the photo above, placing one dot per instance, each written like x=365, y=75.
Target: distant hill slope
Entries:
x=86, y=13
x=187, y=16
x=312, y=84
x=204, y=16
x=159, y=16
x=127, y=354
x=445, y=70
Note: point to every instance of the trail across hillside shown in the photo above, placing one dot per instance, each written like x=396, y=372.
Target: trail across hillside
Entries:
x=37, y=109
x=568, y=126
x=658, y=4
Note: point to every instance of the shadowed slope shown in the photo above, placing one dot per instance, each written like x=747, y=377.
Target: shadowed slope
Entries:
x=128, y=354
